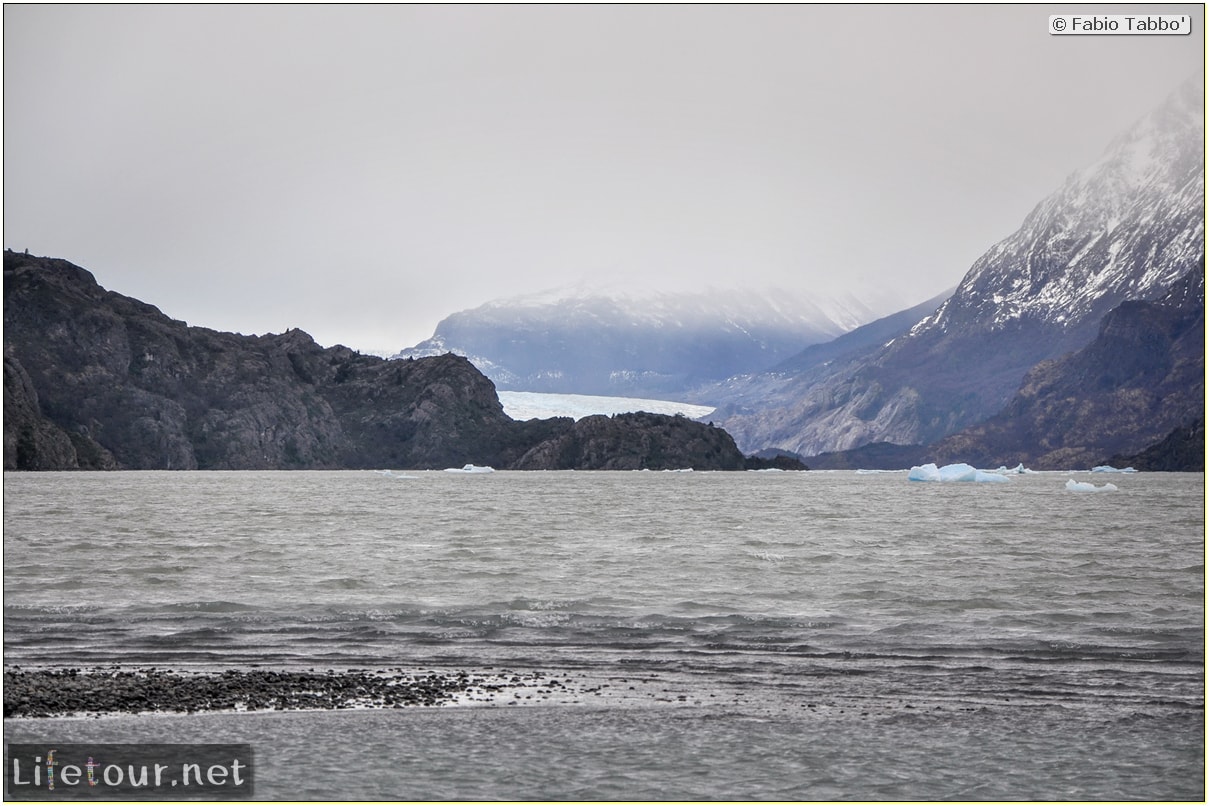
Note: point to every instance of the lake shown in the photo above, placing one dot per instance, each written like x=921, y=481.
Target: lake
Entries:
x=760, y=635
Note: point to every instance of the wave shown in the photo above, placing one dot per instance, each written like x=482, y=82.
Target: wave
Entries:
x=546, y=627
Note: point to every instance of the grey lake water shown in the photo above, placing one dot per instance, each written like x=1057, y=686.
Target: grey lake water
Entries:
x=735, y=636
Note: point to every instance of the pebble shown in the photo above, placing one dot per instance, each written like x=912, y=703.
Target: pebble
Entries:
x=63, y=692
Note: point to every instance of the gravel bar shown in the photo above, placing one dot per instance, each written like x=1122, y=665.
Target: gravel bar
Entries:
x=67, y=692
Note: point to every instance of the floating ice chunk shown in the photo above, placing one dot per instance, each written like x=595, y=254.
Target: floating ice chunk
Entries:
x=955, y=472
x=983, y=477
x=1088, y=487
x=470, y=469
x=1018, y=470
x=1111, y=469
x=393, y=475
x=928, y=472
x=958, y=472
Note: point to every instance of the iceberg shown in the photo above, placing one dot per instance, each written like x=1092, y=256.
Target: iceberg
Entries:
x=928, y=472
x=1018, y=470
x=470, y=469
x=1087, y=487
x=1111, y=469
x=955, y=472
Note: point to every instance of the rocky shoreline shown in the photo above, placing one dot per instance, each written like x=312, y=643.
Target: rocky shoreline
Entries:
x=38, y=693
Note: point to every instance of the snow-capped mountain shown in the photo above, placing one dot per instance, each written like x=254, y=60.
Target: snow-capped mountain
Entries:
x=620, y=341
x=1126, y=227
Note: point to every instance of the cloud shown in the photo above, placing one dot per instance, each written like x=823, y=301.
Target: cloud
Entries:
x=360, y=172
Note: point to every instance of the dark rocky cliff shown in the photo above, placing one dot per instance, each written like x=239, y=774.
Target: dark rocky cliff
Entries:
x=97, y=380
x=636, y=441
x=1181, y=450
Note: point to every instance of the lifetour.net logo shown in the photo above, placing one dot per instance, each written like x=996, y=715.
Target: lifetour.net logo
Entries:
x=52, y=771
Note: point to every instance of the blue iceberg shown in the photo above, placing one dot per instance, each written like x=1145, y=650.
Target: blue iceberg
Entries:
x=957, y=472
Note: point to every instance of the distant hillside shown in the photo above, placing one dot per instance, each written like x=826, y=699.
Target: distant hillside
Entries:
x=97, y=380
x=627, y=343
x=860, y=340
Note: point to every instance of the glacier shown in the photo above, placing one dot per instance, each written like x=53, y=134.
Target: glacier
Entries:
x=954, y=472
x=543, y=405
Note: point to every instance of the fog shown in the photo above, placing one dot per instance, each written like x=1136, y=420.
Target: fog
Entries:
x=362, y=171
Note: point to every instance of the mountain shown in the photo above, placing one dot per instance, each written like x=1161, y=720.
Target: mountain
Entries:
x=97, y=380
x=860, y=340
x=1142, y=377
x=618, y=341
x=1126, y=227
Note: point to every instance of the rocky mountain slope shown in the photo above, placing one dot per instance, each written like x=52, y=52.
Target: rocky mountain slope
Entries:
x=624, y=342
x=1183, y=450
x=1125, y=228
x=1141, y=378
x=97, y=380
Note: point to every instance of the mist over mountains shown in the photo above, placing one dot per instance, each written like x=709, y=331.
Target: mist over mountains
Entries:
x=1078, y=337
x=1129, y=227
x=1015, y=364
x=615, y=340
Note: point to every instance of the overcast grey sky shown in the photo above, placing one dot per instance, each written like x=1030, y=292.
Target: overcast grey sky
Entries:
x=362, y=171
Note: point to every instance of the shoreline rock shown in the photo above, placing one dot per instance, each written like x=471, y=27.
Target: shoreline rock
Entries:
x=60, y=692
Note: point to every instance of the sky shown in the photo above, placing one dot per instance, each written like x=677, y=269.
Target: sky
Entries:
x=361, y=172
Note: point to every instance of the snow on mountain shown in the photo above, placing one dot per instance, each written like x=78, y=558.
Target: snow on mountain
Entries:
x=1126, y=227
x=631, y=340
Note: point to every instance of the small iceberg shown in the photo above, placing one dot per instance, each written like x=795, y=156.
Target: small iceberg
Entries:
x=470, y=469
x=956, y=472
x=1018, y=470
x=393, y=475
x=1111, y=469
x=1088, y=487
